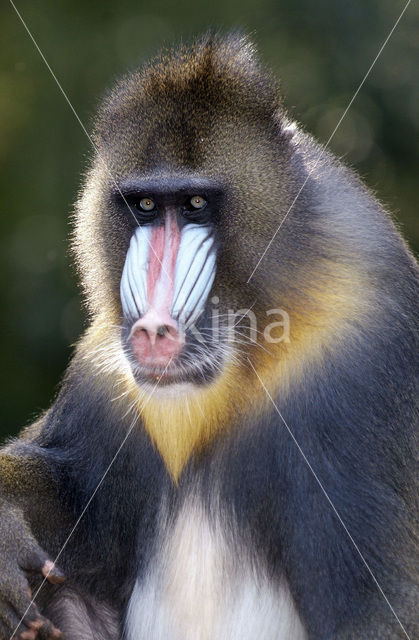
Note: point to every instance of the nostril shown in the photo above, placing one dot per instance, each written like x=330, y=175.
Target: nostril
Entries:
x=155, y=338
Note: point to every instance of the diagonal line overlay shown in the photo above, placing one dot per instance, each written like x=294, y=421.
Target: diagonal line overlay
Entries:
x=99, y=155
x=328, y=498
x=108, y=468
x=327, y=143
x=250, y=277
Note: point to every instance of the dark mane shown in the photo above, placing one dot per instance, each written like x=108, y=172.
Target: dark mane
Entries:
x=219, y=72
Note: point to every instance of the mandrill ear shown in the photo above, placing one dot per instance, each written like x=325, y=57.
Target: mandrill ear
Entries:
x=289, y=130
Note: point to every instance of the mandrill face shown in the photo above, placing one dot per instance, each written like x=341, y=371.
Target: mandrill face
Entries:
x=190, y=181
x=168, y=273
x=191, y=266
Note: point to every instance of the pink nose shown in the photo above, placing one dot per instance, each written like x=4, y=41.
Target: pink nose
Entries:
x=156, y=339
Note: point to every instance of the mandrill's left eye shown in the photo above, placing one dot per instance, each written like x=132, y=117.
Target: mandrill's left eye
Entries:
x=198, y=202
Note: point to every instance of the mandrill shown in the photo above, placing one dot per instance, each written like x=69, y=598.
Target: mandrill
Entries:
x=231, y=453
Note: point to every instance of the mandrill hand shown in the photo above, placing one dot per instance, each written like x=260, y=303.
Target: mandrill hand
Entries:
x=21, y=558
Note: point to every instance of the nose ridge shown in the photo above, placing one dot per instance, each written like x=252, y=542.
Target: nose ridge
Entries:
x=156, y=338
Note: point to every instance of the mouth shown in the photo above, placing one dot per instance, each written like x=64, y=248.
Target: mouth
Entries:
x=157, y=374
x=196, y=362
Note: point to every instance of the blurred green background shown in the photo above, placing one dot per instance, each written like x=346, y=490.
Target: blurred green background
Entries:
x=321, y=50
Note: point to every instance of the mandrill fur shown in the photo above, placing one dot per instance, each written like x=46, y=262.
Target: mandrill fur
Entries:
x=197, y=483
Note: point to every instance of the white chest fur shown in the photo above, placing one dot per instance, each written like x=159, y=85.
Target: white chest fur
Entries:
x=196, y=590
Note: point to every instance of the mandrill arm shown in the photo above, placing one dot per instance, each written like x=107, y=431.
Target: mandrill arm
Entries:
x=27, y=498
x=34, y=528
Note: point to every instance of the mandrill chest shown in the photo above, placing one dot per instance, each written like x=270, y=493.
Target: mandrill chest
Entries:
x=198, y=586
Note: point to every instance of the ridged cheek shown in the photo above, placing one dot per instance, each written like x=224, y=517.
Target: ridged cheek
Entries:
x=194, y=272
x=169, y=270
x=134, y=276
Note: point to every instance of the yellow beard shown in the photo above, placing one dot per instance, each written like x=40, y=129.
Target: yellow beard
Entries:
x=182, y=424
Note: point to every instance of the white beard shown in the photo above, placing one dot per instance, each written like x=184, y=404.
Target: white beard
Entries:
x=195, y=589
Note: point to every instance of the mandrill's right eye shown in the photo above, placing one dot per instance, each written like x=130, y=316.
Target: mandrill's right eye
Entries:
x=145, y=209
x=146, y=204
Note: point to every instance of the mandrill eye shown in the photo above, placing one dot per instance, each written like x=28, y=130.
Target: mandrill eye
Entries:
x=198, y=202
x=146, y=204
